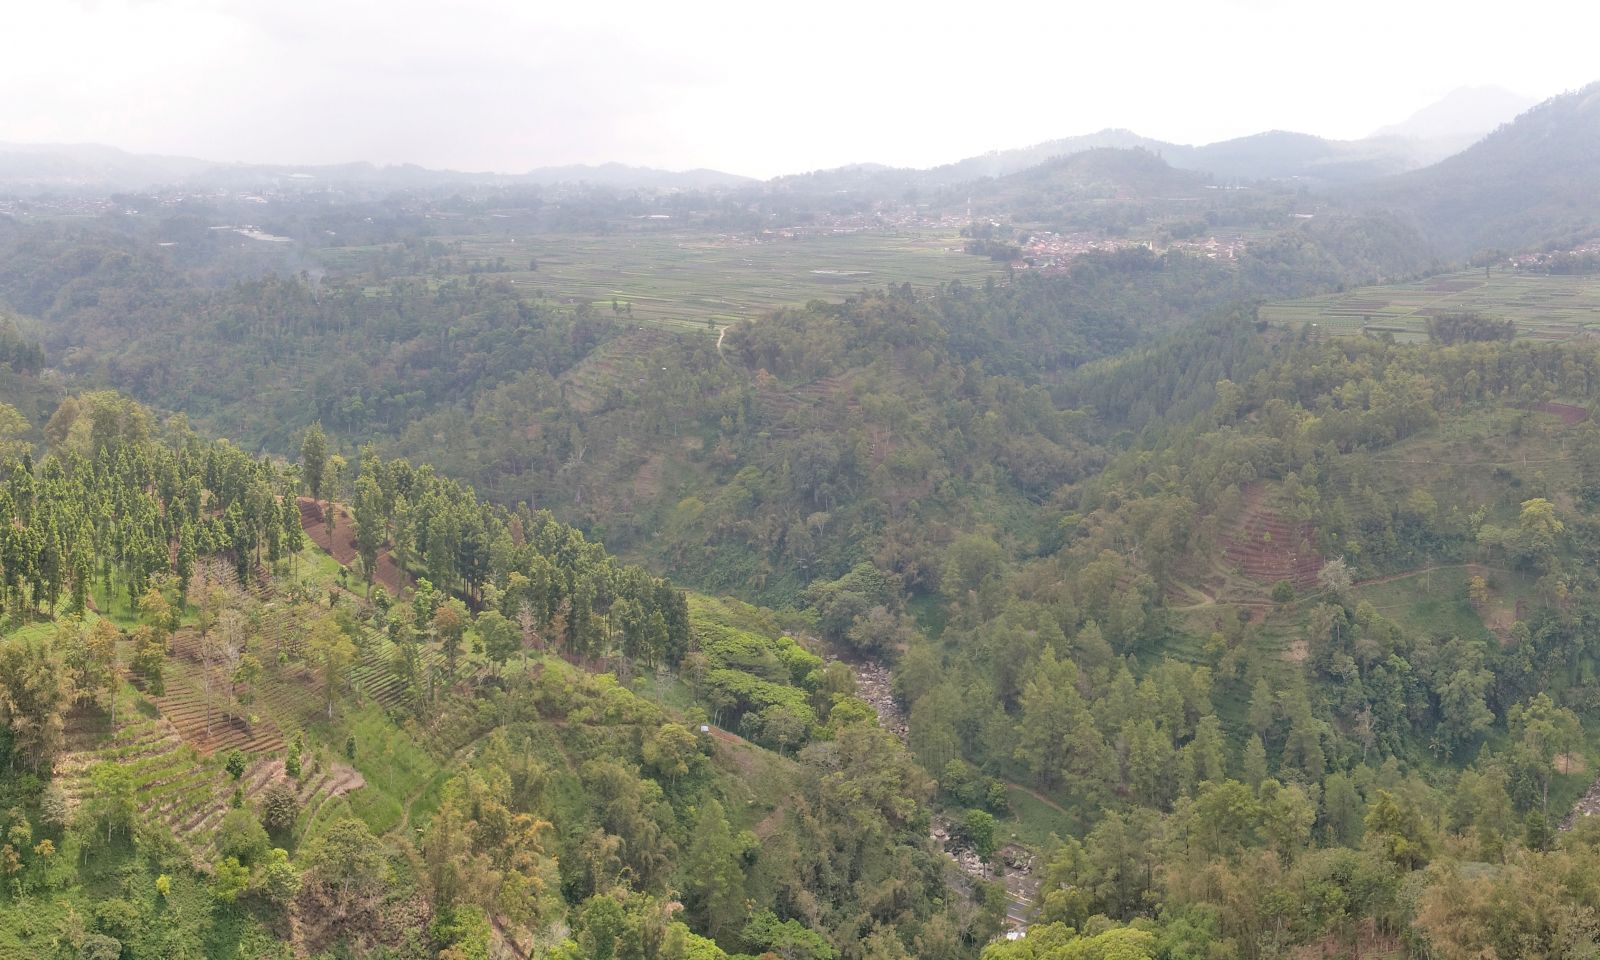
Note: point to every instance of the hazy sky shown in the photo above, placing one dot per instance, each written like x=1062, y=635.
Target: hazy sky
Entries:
x=750, y=87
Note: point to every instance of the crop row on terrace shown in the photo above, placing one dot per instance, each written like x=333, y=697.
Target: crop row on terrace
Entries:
x=1543, y=307
x=203, y=721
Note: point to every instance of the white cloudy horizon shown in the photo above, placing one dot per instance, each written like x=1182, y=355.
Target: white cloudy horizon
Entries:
x=490, y=85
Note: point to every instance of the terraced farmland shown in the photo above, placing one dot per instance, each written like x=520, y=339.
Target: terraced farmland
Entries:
x=1267, y=547
x=698, y=281
x=187, y=794
x=613, y=366
x=1543, y=307
x=376, y=677
x=207, y=728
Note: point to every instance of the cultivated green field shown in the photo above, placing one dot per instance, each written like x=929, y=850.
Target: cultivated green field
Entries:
x=1544, y=307
x=698, y=281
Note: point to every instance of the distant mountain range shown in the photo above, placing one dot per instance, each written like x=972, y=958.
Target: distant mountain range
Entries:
x=1463, y=115
x=1429, y=135
x=1531, y=181
x=1426, y=137
x=42, y=168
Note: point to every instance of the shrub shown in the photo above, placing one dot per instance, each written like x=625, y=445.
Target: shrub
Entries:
x=241, y=837
x=280, y=808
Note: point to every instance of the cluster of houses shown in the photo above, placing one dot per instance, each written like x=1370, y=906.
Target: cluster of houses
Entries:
x=1589, y=250
x=1054, y=251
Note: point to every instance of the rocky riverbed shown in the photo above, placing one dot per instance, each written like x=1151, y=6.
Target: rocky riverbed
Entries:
x=1587, y=806
x=1015, y=863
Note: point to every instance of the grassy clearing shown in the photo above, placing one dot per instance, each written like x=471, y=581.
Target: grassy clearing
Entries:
x=314, y=566
x=43, y=630
x=398, y=771
x=1433, y=603
x=1544, y=307
x=761, y=781
x=665, y=690
x=113, y=603
x=1031, y=821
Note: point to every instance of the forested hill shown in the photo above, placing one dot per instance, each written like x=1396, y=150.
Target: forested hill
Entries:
x=123, y=501
x=1316, y=638
x=1096, y=604
x=817, y=438
x=621, y=429
x=1530, y=184
x=216, y=745
x=261, y=358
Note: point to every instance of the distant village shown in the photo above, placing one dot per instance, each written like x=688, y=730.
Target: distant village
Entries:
x=1584, y=258
x=1055, y=251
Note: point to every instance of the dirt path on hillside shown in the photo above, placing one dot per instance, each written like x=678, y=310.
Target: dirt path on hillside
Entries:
x=1391, y=578
x=456, y=758
x=1058, y=808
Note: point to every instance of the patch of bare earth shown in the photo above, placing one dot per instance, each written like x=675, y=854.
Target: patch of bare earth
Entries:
x=647, y=482
x=341, y=543
x=1267, y=547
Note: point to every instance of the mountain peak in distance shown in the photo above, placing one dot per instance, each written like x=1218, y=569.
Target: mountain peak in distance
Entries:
x=1463, y=113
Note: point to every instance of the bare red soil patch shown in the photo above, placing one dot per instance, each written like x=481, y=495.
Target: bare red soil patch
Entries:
x=1267, y=547
x=210, y=730
x=341, y=545
x=1569, y=414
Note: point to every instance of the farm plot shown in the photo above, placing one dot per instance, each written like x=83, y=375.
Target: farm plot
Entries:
x=202, y=720
x=610, y=370
x=176, y=785
x=1543, y=307
x=377, y=676
x=319, y=782
x=1267, y=547
x=340, y=543
x=147, y=746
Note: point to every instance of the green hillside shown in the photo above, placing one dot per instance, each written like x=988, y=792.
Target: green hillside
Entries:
x=1528, y=185
x=224, y=743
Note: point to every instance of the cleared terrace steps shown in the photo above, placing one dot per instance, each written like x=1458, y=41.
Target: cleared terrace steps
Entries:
x=210, y=729
x=318, y=783
x=376, y=677
x=1266, y=547
x=778, y=406
x=619, y=363
x=180, y=790
x=183, y=700
x=148, y=747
